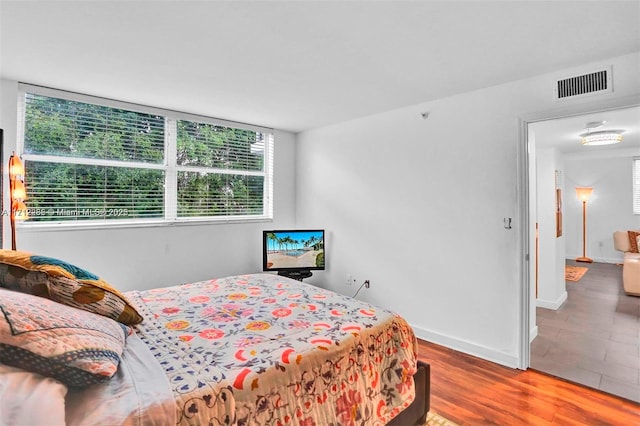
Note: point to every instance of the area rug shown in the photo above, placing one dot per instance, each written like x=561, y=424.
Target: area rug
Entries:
x=434, y=419
x=574, y=273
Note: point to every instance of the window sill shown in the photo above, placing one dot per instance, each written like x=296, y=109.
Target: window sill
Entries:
x=93, y=225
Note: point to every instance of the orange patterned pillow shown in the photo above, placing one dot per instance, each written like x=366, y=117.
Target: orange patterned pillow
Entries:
x=64, y=283
x=633, y=240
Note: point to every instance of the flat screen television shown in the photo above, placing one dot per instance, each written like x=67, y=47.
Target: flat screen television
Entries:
x=293, y=253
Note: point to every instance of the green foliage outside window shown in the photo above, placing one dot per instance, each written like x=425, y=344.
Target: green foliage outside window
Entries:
x=88, y=162
x=76, y=129
x=207, y=145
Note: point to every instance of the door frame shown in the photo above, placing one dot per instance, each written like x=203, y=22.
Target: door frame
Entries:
x=526, y=254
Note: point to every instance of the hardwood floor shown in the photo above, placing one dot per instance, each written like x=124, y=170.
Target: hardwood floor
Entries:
x=471, y=391
x=594, y=337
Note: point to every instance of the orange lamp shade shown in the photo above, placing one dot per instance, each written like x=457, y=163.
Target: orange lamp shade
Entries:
x=20, y=210
x=584, y=192
x=19, y=191
x=16, y=168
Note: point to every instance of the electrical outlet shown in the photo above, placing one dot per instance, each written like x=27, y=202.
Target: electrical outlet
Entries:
x=367, y=284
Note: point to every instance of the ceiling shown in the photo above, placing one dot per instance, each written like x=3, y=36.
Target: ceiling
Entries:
x=564, y=133
x=299, y=65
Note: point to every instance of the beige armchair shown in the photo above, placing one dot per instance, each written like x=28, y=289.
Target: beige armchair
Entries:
x=630, y=265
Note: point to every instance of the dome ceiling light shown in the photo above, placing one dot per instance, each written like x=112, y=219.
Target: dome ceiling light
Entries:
x=600, y=137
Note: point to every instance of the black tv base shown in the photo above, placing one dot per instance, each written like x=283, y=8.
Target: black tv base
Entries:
x=296, y=275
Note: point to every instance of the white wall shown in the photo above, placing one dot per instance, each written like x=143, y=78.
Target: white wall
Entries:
x=417, y=207
x=141, y=258
x=532, y=271
x=551, y=260
x=609, y=209
x=414, y=205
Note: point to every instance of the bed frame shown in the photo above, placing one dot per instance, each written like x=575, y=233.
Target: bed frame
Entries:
x=416, y=413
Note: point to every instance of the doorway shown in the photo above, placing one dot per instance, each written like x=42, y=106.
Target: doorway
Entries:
x=567, y=319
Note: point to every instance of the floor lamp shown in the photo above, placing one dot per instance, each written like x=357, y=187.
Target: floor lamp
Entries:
x=17, y=195
x=2, y=188
x=583, y=195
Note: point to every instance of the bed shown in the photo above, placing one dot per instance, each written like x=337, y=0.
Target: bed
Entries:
x=256, y=349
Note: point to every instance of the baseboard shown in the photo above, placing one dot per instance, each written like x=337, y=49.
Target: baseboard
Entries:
x=552, y=304
x=490, y=354
x=599, y=259
x=533, y=333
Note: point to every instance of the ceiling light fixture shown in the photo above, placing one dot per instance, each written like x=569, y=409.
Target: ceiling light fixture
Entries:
x=594, y=125
x=604, y=137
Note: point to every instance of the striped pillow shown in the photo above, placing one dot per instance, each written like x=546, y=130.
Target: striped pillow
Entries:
x=633, y=240
x=76, y=347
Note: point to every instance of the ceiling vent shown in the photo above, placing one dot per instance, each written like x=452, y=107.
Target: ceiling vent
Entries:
x=587, y=84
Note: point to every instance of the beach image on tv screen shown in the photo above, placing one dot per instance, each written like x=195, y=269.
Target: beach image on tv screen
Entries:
x=300, y=249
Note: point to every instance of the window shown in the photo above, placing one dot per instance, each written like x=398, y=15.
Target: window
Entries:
x=93, y=160
x=636, y=185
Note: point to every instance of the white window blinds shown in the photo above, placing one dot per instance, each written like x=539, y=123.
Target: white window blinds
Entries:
x=89, y=159
x=220, y=170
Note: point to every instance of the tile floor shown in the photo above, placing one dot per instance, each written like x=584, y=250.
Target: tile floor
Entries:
x=594, y=337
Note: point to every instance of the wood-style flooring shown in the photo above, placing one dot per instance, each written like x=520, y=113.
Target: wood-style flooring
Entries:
x=594, y=337
x=472, y=391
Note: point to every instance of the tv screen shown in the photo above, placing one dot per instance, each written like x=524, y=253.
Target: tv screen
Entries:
x=293, y=250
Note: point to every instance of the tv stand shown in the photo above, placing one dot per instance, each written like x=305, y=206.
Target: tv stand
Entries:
x=296, y=275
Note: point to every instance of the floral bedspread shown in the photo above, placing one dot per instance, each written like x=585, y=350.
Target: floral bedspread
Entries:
x=266, y=350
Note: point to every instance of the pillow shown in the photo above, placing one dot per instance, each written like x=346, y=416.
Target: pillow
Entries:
x=73, y=346
x=30, y=399
x=633, y=240
x=64, y=283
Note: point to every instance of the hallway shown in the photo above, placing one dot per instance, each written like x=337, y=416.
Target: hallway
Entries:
x=594, y=338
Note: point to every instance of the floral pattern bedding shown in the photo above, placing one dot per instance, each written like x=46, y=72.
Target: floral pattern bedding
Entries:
x=266, y=350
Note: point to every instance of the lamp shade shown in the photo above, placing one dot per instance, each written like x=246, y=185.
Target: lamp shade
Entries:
x=16, y=168
x=584, y=192
x=19, y=191
x=20, y=210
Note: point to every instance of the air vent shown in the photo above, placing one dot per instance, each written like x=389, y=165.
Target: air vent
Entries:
x=595, y=82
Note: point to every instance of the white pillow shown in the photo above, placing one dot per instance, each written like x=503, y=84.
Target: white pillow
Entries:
x=28, y=399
